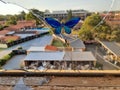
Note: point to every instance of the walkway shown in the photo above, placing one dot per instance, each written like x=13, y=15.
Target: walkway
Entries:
x=15, y=62
x=99, y=56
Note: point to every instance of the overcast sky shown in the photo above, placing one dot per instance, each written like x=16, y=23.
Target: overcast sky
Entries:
x=91, y=5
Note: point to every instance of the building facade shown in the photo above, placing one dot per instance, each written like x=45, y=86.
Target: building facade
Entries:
x=63, y=14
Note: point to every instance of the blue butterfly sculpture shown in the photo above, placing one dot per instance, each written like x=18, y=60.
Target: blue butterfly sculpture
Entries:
x=58, y=26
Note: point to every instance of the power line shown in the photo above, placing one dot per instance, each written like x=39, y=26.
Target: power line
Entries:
x=111, y=6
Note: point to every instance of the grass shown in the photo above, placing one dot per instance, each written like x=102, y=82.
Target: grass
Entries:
x=58, y=43
x=2, y=49
x=6, y=58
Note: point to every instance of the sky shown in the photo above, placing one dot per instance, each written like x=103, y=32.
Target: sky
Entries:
x=52, y=5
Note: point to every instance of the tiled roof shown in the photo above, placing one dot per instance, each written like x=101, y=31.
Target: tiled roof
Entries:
x=51, y=48
x=3, y=32
x=20, y=25
x=9, y=38
x=114, y=22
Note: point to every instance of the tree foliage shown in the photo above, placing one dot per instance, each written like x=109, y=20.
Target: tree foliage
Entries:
x=91, y=30
x=69, y=15
x=1, y=27
x=30, y=16
x=11, y=21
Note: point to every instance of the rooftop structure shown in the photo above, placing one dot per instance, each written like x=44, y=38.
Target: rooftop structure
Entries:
x=4, y=32
x=20, y=25
x=51, y=48
x=36, y=49
x=112, y=19
x=77, y=44
x=7, y=39
x=60, y=56
x=79, y=56
x=62, y=14
x=112, y=50
x=39, y=48
x=113, y=47
x=43, y=41
x=45, y=56
x=59, y=60
x=24, y=34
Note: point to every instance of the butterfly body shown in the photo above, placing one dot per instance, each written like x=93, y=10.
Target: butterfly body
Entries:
x=58, y=26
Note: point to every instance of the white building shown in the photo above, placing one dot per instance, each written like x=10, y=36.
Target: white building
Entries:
x=63, y=14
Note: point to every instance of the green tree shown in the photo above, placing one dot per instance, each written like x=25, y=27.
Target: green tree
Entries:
x=1, y=27
x=116, y=35
x=85, y=35
x=69, y=15
x=31, y=16
x=2, y=17
x=90, y=25
x=12, y=20
x=20, y=16
x=36, y=11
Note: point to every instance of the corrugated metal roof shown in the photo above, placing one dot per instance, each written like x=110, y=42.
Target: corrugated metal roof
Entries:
x=112, y=46
x=49, y=56
x=24, y=35
x=79, y=56
x=77, y=44
x=60, y=56
x=33, y=48
x=43, y=41
x=59, y=12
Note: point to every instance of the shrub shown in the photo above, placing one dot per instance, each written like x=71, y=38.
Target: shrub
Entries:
x=6, y=58
x=98, y=65
x=19, y=48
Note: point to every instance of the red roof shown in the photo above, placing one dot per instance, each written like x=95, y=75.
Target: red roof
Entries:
x=51, y=48
x=9, y=38
x=3, y=32
x=21, y=24
x=113, y=22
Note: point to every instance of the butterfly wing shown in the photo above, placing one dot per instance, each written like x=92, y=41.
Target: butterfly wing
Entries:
x=52, y=22
x=58, y=30
x=55, y=24
x=71, y=23
x=67, y=29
